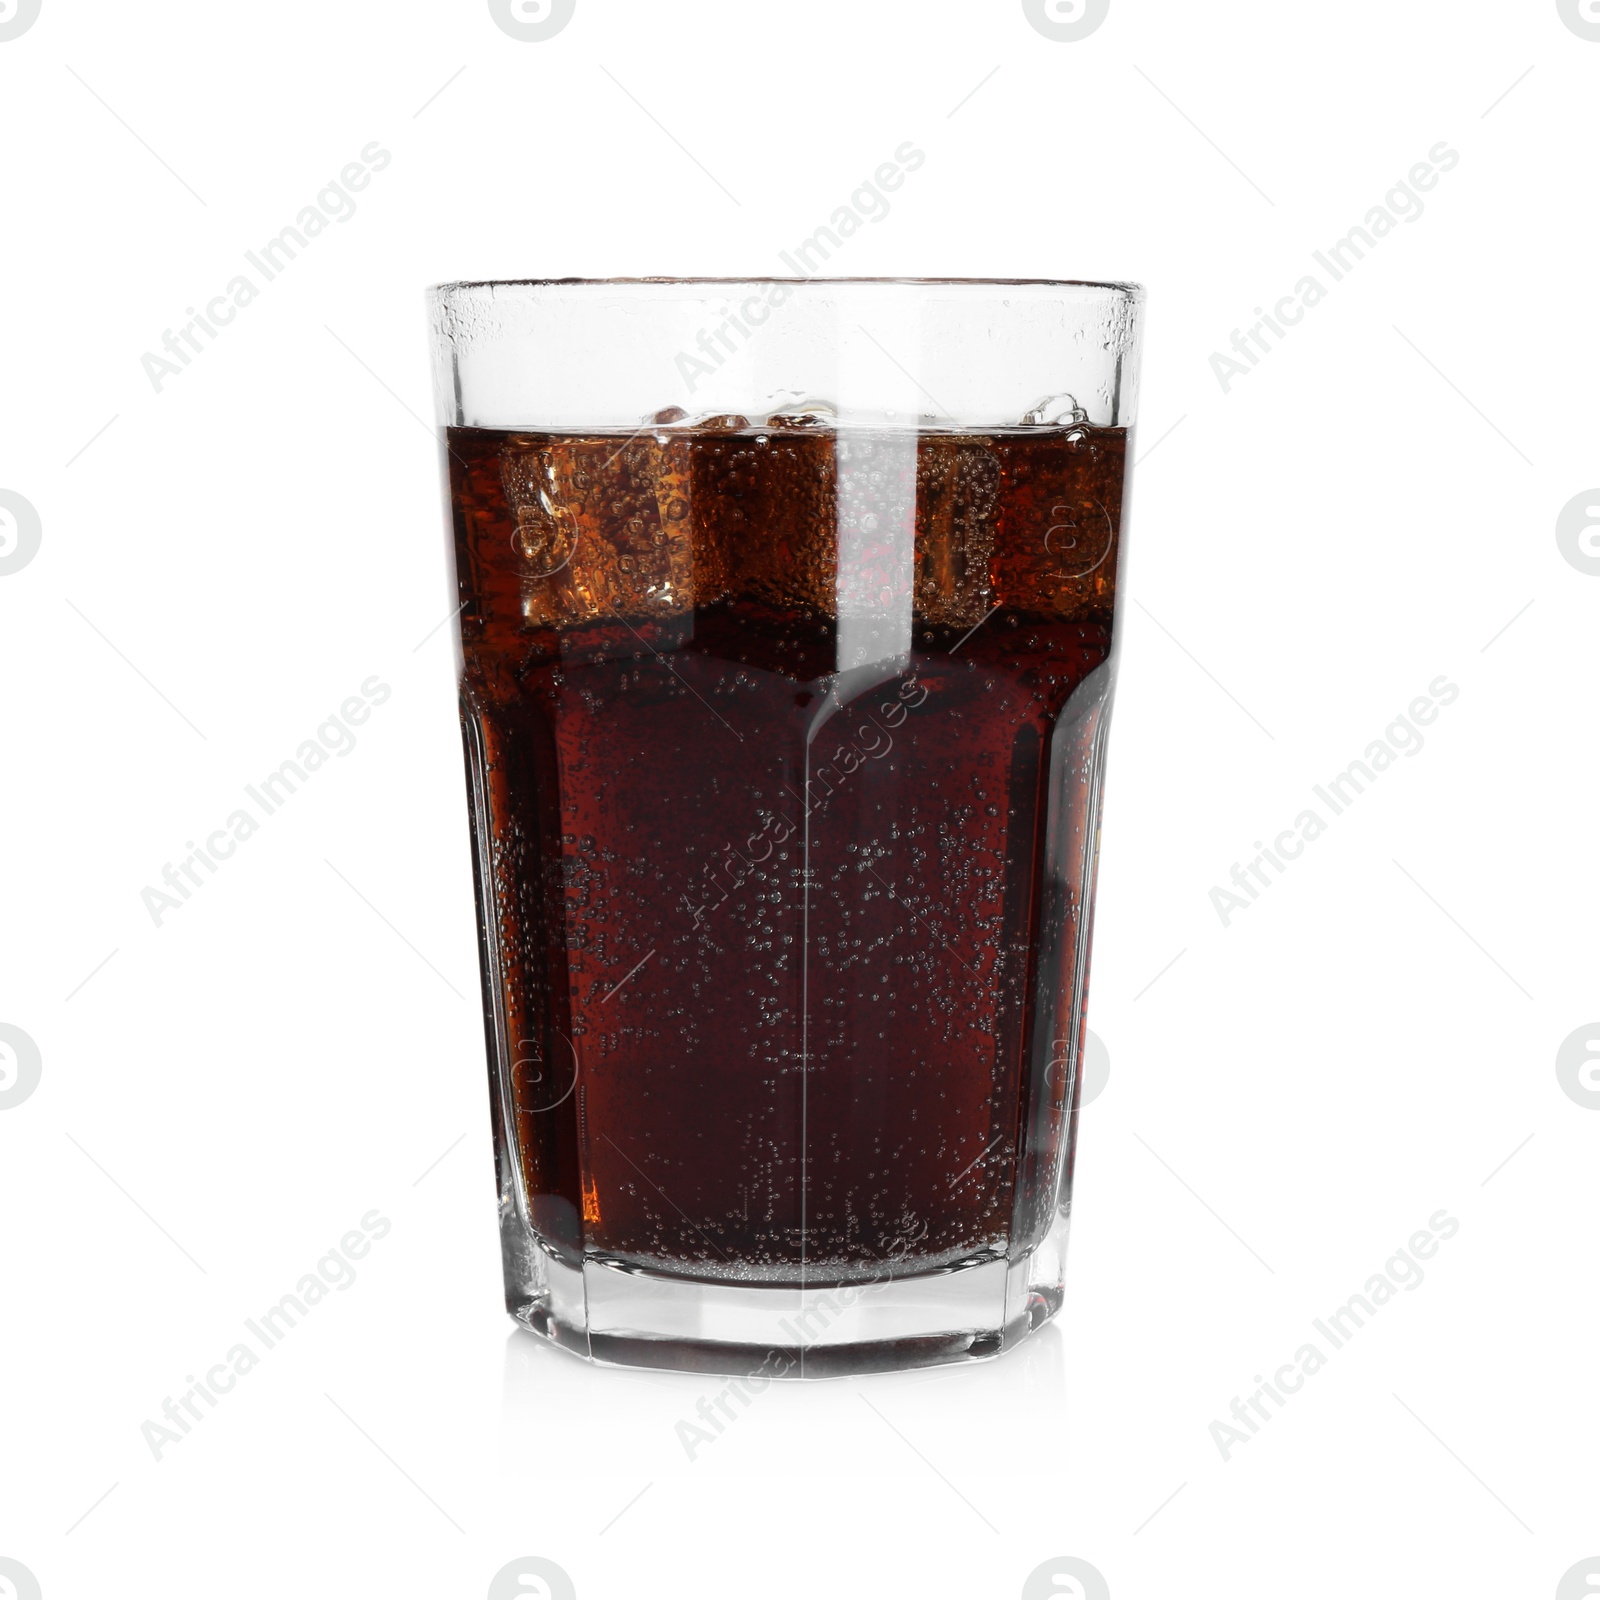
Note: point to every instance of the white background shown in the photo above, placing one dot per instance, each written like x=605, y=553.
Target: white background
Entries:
x=1291, y=1098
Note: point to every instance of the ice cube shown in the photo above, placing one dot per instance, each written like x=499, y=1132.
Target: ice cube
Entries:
x=958, y=496
x=1055, y=410
x=812, y=413
x=706, y=422
x=601, y=526
x=767, y=509
x=544, y=532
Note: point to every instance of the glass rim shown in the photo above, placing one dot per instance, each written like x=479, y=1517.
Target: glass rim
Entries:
x=1110, y=286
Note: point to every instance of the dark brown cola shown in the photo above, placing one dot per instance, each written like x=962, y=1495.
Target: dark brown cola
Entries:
x=784, y=753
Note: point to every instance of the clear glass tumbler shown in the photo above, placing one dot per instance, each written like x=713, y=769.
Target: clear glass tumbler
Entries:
x=787, y=633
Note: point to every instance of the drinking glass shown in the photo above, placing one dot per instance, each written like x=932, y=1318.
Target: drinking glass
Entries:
x=786, y=641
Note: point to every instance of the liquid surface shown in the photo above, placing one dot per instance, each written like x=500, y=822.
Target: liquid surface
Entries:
x=785, y=830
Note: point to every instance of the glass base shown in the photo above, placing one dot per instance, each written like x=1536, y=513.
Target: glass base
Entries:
x=634, y=1318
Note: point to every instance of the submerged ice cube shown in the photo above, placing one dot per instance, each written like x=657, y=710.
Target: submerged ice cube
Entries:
x=601, y=526
x=958, y=496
